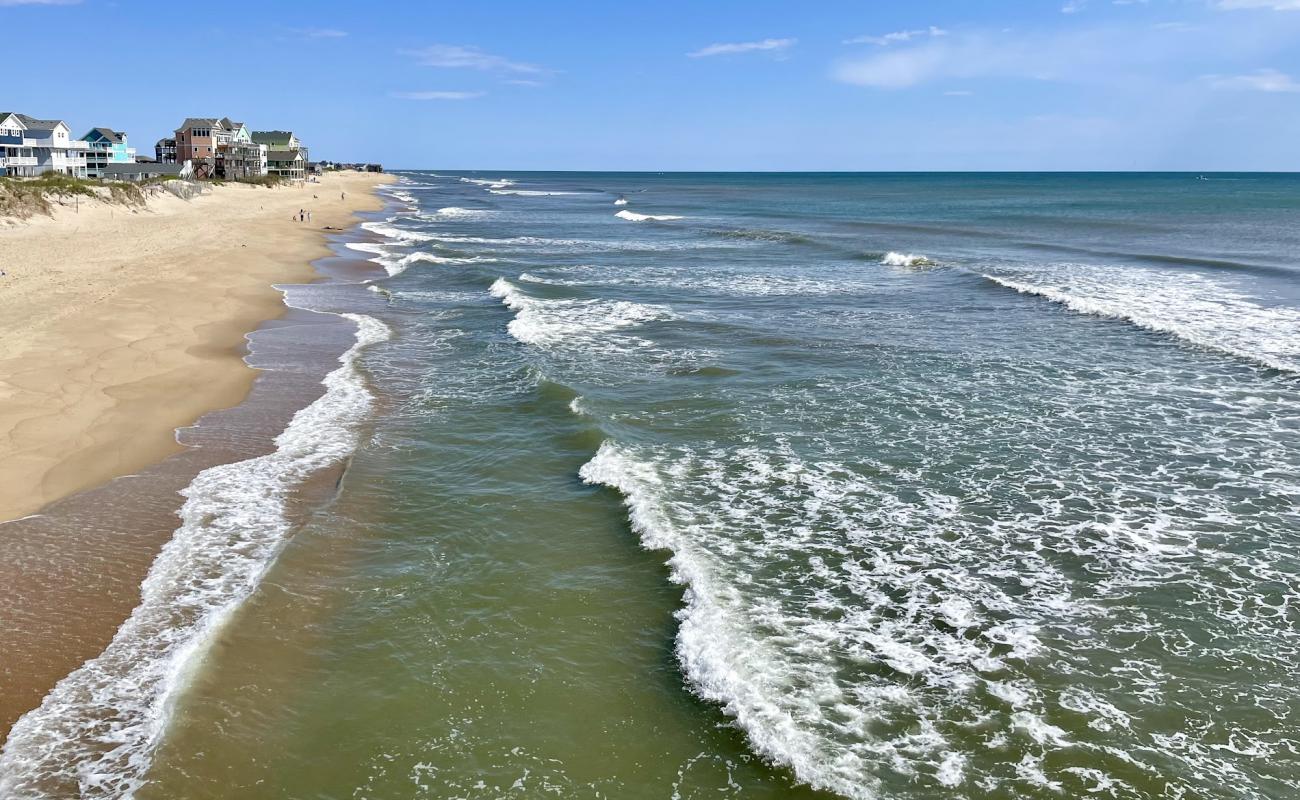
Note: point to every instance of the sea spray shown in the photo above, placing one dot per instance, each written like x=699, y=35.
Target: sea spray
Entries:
x=95, y=733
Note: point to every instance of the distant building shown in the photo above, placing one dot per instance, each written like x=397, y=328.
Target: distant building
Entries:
x=106, y=146
x=164, y=151
x=34, y=146
x=286, y=154
x=198, y=140
x=240, y=157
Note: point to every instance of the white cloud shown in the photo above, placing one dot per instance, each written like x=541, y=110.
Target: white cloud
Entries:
x=437, y=95
x=461, y=57
x=765, y=45
x=1073, y=6
x=1263, y=80
x=896, y=36
x=1276, y=5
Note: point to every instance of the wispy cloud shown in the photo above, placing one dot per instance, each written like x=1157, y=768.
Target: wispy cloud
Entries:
x=436, y=95
x=1073, y=6
x=320, y=33
x=897, y=36
x=462, y=57
x=1263, y=80
x=39, y=2
x=731, y=48
x=1276, y=5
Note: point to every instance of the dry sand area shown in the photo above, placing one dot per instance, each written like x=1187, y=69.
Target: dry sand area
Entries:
x=119, y=326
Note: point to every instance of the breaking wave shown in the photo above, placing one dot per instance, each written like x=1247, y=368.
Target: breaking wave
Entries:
x=892, y=259
x=632, y=216
x=1196, y=309
x=586, y=322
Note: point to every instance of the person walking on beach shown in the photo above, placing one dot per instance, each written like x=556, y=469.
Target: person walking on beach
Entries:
x=309, y=215
x=343, y=195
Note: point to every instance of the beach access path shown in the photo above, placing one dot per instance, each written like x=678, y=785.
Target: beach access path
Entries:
x=118, y=326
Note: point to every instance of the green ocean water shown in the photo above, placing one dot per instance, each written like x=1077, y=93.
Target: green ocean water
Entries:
x=896, y=486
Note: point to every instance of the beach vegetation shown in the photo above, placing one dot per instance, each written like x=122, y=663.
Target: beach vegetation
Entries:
x=268, y=181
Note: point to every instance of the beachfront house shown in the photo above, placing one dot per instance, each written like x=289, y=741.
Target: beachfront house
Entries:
x=240, y=157
x=164, y=151
x=13, y=153
x=198, y=140
x=106, y=146
x=32, y=146
x=286, y=154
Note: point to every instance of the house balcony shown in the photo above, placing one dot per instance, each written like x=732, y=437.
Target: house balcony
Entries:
x=57, y=144
x=11, y=140
x=17, y=161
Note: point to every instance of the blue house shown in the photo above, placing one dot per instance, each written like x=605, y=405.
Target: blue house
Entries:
x=107, y=146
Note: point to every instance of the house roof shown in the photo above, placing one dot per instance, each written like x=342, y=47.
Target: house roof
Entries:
x=284, y=155
x=165, y=143
x=201, y=122
x=280, y=138
x=33, y=122
x=116, y=137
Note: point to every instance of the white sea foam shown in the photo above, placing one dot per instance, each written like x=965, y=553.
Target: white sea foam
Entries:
x=494, y=183
x=1200, y=310
x=94, y=735
x=533, y=192
x=892, y=259
x=395, y=233
x=455, y=212
x=632, y=216
x=622, y=201
x=397, y=265
x=588, y=323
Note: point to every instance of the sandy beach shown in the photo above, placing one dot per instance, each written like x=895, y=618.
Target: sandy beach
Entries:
x=117, y=326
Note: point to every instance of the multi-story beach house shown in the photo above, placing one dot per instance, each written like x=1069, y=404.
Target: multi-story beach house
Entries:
x=34, y=146
x=13, y=153
x=286, y=154
x=107, y=146
x=240, y=157
x=198, y=140
x=164, y=151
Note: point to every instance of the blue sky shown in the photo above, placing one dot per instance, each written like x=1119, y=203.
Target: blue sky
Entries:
x=712, y=84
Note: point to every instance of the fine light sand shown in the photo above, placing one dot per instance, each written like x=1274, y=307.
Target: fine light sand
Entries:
x=119, y=326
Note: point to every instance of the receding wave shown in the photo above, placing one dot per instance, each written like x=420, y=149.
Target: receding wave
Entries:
x=1194, y=308
x=94, y=735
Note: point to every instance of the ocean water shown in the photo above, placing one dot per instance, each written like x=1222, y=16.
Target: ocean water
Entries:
x=863, y=486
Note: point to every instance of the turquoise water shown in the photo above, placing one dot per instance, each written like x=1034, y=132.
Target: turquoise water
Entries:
x=898, y=486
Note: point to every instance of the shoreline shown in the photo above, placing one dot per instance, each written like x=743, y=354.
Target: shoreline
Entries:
x=106, y=347
x=74, y=567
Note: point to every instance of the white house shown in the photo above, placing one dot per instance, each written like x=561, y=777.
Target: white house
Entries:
x=14, y=154
x=35, y=146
